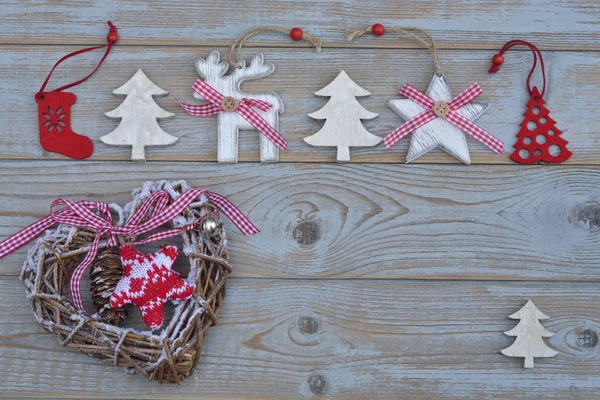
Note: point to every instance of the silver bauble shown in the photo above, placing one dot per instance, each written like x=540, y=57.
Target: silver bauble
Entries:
x=211, y=226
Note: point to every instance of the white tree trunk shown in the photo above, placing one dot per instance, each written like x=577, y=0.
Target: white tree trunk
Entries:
x=343, y=154
x=138, y=152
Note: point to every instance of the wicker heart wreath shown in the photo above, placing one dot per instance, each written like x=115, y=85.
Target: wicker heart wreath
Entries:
x=172, y=354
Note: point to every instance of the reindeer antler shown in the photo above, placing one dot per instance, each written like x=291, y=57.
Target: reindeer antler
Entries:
x=257, y=69
x=211, y=67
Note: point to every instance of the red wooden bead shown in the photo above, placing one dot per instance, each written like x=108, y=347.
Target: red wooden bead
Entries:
x=378, y=30
x=112, y=37
x=296, y=34
x=498, y=59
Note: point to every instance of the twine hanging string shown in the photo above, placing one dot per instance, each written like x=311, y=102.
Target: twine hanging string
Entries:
x=498, y=60
x=234, y=56
x=411, y=32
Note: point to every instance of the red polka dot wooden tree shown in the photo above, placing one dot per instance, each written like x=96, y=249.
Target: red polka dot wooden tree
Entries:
x=539, y=140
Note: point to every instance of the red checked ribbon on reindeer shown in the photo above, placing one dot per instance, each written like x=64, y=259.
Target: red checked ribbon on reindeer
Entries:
x=451, y=116
x=244, y=108
x=96, y=216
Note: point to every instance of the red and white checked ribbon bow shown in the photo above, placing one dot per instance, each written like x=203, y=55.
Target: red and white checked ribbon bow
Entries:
x=96, y=216
x=244, y=109
x=453, y=117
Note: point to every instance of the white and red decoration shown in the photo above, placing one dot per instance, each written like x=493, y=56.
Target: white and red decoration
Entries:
x=138, y=112
x=436, y=119
x=152, y=214
x=235, y=108
x=157, y=210
x=148, y=282
x=343, y=114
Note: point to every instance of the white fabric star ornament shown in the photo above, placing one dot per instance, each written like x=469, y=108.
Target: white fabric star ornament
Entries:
x=439, y=132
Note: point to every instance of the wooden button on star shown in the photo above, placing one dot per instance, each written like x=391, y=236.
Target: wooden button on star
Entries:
x=441, y=109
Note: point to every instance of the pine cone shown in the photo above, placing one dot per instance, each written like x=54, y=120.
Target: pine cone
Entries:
x=105, y=273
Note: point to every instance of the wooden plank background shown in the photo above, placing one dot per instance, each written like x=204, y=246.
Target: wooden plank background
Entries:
x=369, y=280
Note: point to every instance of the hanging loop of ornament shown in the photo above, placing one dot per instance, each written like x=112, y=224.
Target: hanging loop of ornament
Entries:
x=410, y=31
x=498, y=60
x=296, y=34
x=111, y=38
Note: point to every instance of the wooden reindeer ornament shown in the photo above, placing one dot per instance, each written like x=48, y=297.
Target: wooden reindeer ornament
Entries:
x=213, y=71
x=238, y=110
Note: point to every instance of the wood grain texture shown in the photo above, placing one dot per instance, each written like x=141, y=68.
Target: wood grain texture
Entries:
x=372, y=221
x=458, y=24
x=358, y=326
x=573, y=80
x=281, y=339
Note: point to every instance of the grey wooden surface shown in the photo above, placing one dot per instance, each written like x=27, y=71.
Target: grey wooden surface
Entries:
x=369, y=280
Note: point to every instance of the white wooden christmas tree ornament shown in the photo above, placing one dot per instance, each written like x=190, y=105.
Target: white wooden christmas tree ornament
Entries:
x=139, y=113
x=343, y=114
x=530, y=334
x=214, y=73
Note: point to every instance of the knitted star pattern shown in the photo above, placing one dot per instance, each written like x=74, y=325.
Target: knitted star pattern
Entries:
x=148, y=282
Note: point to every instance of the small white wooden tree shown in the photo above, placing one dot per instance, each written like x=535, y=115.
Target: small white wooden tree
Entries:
x=343, y=113
x=138, y=113
x=529, y=333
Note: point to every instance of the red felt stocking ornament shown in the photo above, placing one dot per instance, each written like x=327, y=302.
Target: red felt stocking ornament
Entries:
x=54, y=110
x=539, y=139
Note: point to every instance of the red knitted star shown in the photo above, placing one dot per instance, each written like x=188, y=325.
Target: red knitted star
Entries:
x=148, y=282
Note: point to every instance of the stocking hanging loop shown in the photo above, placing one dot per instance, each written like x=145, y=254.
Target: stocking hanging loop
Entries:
x=112, y=38
x=411, y=32
x=498, y=61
